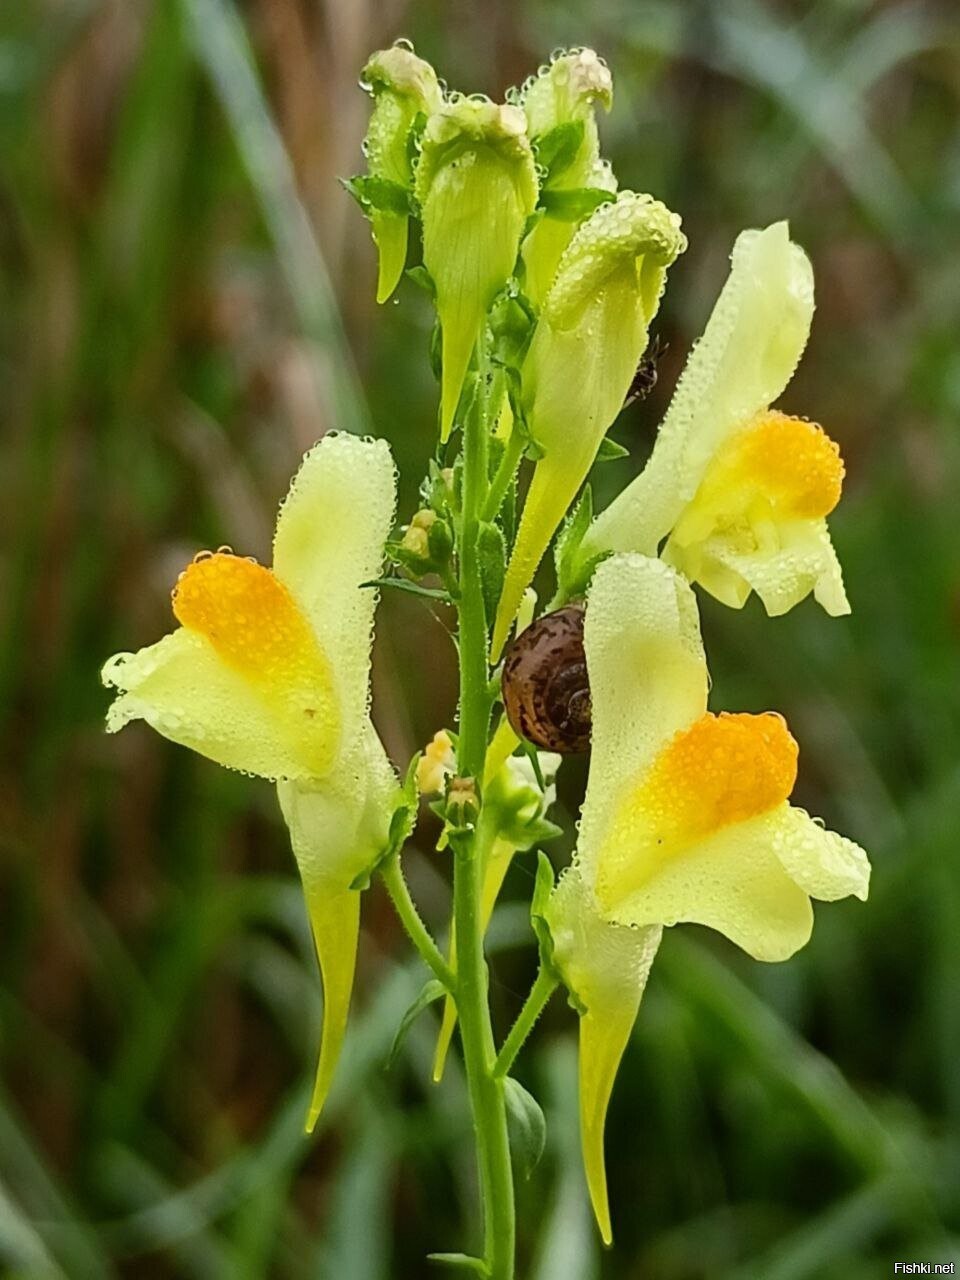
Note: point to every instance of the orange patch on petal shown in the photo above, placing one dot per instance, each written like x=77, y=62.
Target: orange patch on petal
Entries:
x=724, y=769
x=791, y=462
x=256, y=626
x=246, y=613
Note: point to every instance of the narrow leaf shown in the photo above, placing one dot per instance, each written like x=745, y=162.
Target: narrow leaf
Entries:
x=557, y=148
x=575, y=204
x=610, y=450
x=432, y=990
x=412, y=588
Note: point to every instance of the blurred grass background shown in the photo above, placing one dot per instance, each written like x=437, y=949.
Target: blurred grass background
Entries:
x=187, y=305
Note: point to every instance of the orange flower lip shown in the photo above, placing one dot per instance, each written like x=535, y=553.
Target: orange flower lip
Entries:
x=247, y=614
x=723, y=769
x=257, y=627
x=790, y=461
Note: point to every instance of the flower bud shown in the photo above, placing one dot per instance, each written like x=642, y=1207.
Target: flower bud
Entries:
x=583, y=355
x=559, y=104
x=476, y=185
x=438, y=762
x=403, y=86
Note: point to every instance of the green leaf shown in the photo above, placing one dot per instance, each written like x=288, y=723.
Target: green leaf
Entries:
x=526, y=1125
x=382, y=194
x=432, y=991
x=542, y=889
x=412, y=588
x=568, y=543
x=575, y=204
x=414, y=136
x=610, y=450
x=539, y=831
x=461, y=1261
x=557, y=149
x=492, y=555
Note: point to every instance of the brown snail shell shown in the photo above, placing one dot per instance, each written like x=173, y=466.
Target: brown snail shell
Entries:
x=546, y=693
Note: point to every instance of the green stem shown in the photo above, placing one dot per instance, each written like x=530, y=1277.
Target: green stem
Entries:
x=399, y=892
x=506, y=470
x=540, y=993
x=476, y=1033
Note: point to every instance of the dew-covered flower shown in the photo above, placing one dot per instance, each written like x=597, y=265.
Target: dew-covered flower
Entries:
x=582, y=358
x=476, y=184
x=268, y=672
x=741, y=491
x=686, y=819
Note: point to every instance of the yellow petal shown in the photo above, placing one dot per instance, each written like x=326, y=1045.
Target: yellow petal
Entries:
x=252, y=622
x=186, y=691
x=606, y=968
x=731, y=881
x=335, y=924
x=330, y=535
x=798, y=559
x=338, y=828
x=747, y=355
x=648, y=679
x=823, y=864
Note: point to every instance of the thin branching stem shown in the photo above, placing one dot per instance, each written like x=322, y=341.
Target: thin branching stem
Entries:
x=399, y=891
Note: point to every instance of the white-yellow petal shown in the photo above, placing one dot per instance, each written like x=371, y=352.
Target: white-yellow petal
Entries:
x=606, y=968
x=185, y=690
x=822, y=863
x=330, y=535
x=648, y=678
x=731, y=881
x=340, y=824
x=338, y=828
x=798, y=559
x=747, y=355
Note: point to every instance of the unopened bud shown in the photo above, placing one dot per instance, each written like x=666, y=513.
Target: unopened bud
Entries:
x=403, y=87
x=476, y=183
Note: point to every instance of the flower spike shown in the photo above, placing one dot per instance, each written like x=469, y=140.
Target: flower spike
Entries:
x=686, y=818
x=269, y=673
x=741, y=491
x=582, y=358
x=477, y=185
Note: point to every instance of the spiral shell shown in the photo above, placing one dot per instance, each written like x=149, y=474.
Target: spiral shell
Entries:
x=546, y=692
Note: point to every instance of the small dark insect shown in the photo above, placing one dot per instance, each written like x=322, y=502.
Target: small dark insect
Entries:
x=645, y=378
x=546, y=693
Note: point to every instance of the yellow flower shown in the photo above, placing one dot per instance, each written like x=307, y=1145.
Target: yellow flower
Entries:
x=686, y=818
x=740, y=491
x=269, y=672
